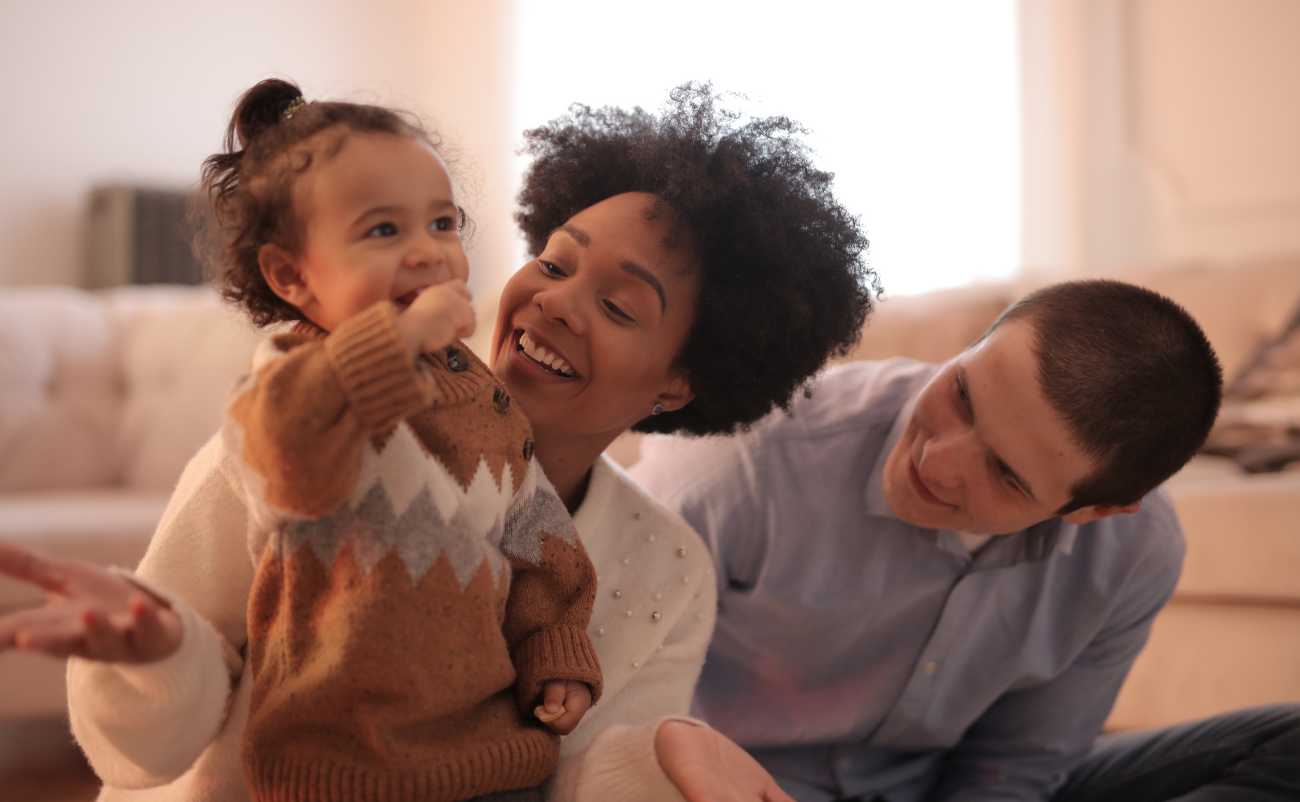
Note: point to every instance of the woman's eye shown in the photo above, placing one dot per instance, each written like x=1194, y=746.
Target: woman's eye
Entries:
x=617, y=313
x=382, y=230
x=549, y=269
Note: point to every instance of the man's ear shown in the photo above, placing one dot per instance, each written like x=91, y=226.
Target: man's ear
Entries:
x=677, y=394
x=283, y=275
x=1086, y=515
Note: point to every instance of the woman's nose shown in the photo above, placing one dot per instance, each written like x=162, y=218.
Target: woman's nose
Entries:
x=557, y=304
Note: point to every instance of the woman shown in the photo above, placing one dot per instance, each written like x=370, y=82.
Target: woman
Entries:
x=692, y=272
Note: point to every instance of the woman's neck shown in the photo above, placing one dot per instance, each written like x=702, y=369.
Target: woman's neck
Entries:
x=567, y=461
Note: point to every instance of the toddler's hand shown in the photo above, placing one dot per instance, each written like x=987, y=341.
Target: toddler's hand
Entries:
x=564, y=703
x=90, y=612
x=441, y=314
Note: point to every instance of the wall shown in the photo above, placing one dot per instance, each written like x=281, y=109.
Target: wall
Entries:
x=142, y=91
x=1159, y=131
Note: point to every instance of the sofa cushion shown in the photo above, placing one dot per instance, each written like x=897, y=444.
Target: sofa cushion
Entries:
x=60, y=400
x=1242, y=541
x=182, y=351
x=109, y=527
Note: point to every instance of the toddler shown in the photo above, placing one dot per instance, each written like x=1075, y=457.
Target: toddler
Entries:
x=420, y=597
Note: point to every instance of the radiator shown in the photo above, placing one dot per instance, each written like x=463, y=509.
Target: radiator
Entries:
x=139, y=235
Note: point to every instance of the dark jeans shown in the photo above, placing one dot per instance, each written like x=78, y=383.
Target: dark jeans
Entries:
x=1245, y=756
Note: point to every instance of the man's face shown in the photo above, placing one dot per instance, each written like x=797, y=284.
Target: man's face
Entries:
x=983, y=451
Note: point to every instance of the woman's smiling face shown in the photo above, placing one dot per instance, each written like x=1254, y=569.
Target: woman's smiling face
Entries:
x=587, y=333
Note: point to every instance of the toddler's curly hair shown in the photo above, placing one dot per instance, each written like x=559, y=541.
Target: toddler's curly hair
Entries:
x=246, y=191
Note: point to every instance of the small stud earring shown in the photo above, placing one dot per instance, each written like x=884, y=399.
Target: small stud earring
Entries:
x=657, y=409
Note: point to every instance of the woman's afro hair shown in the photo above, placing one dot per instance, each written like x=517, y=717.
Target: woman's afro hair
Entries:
x=784, y=283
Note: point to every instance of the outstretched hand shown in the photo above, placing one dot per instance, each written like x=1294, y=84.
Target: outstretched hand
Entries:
x=707, y=766
x=89, y=612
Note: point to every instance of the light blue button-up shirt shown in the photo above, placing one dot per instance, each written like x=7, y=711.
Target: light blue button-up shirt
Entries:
x=858, y=656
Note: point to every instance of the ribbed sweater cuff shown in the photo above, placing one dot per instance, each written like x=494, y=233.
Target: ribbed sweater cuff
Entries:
x=378, y=373
x=558, y=653
x=117, y=710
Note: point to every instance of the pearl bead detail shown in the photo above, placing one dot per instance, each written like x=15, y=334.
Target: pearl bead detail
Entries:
x=627, y=613
x=656, y=616
x=659, y=597
x=650, y=538
x=636, y=663
x=600, y=632
x=618, y=594
x=681, y=552
x=627, y=560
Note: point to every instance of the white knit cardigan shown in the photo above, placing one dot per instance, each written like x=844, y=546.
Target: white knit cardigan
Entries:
x=170, y=731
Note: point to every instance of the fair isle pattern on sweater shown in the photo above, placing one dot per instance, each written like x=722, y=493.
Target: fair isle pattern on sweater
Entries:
x=373, y=526
x=417, y=578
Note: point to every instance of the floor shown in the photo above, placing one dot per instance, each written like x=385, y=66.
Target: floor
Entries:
x=39, y=763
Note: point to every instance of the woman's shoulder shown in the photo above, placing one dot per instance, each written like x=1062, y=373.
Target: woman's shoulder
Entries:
x=625, y=512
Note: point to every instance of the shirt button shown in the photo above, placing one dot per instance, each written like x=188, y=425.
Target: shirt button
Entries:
x=528, y=449
x=500, y=400
x=456, y=362
x=931, y=667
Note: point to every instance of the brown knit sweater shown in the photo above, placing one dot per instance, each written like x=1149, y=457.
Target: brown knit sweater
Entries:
x=417, y=578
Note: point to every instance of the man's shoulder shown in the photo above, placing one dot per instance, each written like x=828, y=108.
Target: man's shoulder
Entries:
x=1151, y=536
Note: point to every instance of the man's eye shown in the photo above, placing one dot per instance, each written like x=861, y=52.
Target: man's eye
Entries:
x=549, y=269
x=382, y=230
x=617, y=313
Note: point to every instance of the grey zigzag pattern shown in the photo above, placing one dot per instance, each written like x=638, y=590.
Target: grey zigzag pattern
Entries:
x=418, y=535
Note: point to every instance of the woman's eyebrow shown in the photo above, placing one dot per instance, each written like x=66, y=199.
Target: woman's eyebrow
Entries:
x=631, y=268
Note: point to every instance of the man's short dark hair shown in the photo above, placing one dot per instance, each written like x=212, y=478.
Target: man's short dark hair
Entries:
x=1132, y=374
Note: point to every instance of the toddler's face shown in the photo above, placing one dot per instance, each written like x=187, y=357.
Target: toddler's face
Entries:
x=379, y=222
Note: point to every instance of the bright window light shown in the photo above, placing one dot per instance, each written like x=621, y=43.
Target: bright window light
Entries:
x=913, y=105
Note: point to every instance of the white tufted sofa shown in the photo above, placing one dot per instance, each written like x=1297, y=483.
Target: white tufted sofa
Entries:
x=103, y=399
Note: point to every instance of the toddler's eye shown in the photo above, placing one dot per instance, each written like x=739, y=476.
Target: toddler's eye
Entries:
x=382, y=230
x=444, y=223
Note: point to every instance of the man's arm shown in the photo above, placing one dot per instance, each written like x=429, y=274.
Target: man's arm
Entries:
x=1025, y=744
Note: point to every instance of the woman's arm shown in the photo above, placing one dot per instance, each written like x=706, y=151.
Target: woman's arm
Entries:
x=144, y=725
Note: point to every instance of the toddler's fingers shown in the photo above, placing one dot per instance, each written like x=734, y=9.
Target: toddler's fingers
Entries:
x=553, y=696
x=567, y=721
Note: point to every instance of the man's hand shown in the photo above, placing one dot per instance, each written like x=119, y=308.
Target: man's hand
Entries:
x=90, y=612
x=707, y=766
x=564, y=703
x=440, y=315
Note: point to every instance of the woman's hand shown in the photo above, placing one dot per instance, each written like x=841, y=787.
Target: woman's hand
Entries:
x=90, y=612
x=707, y=766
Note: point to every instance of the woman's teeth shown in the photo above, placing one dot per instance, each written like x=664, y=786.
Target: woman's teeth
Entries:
x=543, y=357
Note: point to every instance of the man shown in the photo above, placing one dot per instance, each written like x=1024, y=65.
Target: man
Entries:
x=934, y=579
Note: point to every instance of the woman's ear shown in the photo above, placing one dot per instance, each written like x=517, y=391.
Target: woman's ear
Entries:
x=677, y=394
x=283, y=275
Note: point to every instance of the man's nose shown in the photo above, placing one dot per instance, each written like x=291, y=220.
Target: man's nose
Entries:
x=945, y=458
